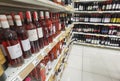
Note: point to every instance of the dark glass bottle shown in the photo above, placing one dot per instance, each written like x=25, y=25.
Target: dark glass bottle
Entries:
x=12, y=44
x=32, y=33
x=23, y=37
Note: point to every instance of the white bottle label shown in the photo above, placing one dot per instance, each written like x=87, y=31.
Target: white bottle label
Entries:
x=107, y=20
x=26, y=44
x=32, y=35
x=15, y=51
x=40, y=32
x=18, y=22
x=59, y=26
x=54, y=29
x=113, y=6
x=58, y=0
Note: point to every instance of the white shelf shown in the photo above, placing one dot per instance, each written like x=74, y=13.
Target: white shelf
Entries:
x=19, y=73
x=96, y=11
x=105, y=24
x=55, y=63
x=37, y=4
x=94, y=45
x=96, y=34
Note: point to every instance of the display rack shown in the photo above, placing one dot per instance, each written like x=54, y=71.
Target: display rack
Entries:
x=105, y=24
x=19, y=73
x=96, y=34
x=96, y=11
x=95, y=45
x=37, y=5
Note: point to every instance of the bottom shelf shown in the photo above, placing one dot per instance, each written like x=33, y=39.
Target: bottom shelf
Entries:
x=94, y=45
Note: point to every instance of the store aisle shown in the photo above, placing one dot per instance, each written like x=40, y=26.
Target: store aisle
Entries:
x=92, y=64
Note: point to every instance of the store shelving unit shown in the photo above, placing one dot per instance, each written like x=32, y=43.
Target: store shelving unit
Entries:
x=96, y=11
x=104, y=24
x=37, y=5
x=96, y=34
x=19, y=73
x=94, y=45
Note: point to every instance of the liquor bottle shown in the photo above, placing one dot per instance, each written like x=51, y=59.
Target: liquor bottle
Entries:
x=3, y=52
x=106, y=18
x=118, y=31
x=11, y=22
x=39, y=29
x=23, y=37
x=49, y=28
x=53, y=19
x=2, y=74
x=57, y=24
x=12, y=44
x=32, y=33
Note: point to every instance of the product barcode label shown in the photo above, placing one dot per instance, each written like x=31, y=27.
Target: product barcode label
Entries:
x=35, y=62
x=17, y=79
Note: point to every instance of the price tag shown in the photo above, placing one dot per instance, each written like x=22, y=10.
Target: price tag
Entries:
x=35, y=62
x=17, y=79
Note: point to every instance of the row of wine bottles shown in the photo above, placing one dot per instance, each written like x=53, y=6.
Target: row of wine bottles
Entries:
x=43, y=68
x=98, y=6
x=22, y=35
x=97, y=29
x=99, y=40
x=62, y=2
x=97, y=18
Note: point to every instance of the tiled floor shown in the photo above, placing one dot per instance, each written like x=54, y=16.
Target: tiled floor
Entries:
x=92, y=64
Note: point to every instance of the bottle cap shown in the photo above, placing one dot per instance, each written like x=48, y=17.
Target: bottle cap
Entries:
x=4, y=22
x=35, y=15
x=47, y=15
x=41, y=15
x=18, y=20
x=10, y=20
x=28, y=15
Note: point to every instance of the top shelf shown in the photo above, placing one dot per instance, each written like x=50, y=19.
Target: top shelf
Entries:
x=36, y=4
x=96, y=11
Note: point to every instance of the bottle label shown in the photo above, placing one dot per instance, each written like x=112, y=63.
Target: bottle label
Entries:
x=113, y=6
x=1, y=70
x=10, y=20
x=15, y=51
x=59, y=26
x=117, y=6
x=18, y=22
x=2, y=58
x=58, y=0
x=40, y=32
x=26, y=44
x=107, y=20
x=32, y=35
x=54, y=29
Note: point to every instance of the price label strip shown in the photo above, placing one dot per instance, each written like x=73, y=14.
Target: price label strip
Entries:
x=35, y=62
x=17, y=79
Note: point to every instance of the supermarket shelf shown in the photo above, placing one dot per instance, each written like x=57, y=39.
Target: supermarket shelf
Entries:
x=87, y=0
x=19, y=73
x=94, y=45
x=96, y=34
x=105, y=24
x=36, y=4
x=56, y=64
x=96, y=11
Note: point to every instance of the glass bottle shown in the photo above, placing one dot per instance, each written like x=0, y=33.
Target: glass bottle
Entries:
x=12, y=44
x=39, y=29
x=45, y=29
x=48, y=27
x=23, y=37
x=32, y=33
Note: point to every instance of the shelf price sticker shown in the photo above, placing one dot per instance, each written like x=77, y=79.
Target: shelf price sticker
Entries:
x=17, y=79
x=35, y=62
